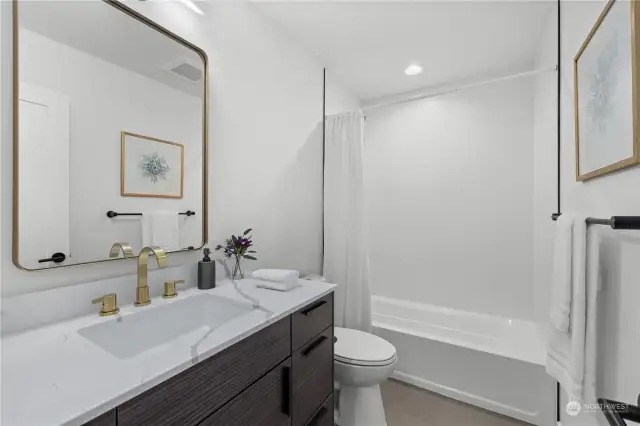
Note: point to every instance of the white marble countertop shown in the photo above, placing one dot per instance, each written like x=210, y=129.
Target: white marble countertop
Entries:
x=54, y=376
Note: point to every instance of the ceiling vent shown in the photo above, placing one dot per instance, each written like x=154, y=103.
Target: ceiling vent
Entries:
x=186, y=71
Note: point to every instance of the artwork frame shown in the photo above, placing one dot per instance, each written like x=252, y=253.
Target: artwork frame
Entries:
x=139, y=174
x=602, y=150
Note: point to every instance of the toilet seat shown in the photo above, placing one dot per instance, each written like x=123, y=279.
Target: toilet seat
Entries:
x=356, y=347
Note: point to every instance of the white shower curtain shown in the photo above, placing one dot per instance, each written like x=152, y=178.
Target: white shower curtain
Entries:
x=346, y=259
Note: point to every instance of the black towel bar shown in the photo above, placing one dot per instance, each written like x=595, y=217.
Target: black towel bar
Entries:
x=615, y=222
x=112, y=214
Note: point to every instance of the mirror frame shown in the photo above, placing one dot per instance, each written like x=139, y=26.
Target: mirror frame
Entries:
x=16, y=137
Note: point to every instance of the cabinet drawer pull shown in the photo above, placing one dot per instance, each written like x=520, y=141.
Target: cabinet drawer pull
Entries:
x=313, y=307
x=314, y=345
x=286, y=390
x=318, y=416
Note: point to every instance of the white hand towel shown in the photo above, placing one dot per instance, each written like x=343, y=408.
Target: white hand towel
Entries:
x=277, y=279
x=563, y=251
x=160, y=228
x=566, y=349
x=594, y=285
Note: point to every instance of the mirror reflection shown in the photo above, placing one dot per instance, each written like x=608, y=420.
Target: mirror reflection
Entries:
x=110, y=143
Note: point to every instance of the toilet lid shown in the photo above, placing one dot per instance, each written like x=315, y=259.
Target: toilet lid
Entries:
x=360, y=348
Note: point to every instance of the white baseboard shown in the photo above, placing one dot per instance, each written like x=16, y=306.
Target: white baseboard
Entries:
x=476, y=400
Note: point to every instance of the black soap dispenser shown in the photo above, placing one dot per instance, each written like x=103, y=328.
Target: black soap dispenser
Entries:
x=206, y=272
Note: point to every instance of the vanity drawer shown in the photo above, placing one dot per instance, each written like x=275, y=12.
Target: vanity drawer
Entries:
x=324, y=415
x=191, y=396
x=266, y=403
x=311, y=320
x=312, y=376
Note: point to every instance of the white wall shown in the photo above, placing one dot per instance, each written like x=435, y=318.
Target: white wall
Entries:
x=122, y=101
x=265, y=146
x=449, y=193
x=544, y=166
x=615, y=194
x=337, y=98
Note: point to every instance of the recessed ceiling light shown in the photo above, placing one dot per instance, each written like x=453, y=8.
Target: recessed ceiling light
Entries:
x=413, y=69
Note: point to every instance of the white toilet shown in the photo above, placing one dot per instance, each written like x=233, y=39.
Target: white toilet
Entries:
x=362, y=361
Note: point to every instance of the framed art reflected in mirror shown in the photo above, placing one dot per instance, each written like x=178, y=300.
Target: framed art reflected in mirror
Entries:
x=151, y=167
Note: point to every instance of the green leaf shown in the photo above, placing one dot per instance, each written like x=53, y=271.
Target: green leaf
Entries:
x=247, y=231
x=246, y=256
x=252, y=251
x=234, y=239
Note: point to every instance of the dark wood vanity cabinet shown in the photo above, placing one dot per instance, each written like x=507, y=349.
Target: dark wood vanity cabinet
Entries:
x=189, y=397
x=279, y=376
x=266, y=403
x=312, y=376
x=107, y=419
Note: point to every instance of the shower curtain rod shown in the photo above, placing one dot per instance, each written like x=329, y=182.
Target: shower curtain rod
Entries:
x=419, y=96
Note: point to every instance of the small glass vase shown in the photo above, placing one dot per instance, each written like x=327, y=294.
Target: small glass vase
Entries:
x=237, y=270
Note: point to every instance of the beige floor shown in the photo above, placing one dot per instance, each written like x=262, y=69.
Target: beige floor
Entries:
x=406, y=405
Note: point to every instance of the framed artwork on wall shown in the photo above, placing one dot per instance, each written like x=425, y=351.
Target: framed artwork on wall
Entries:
x=151, y=167
x=606, y=93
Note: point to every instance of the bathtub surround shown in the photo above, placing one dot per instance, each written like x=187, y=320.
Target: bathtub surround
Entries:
x=544, y=174
x=346, y=257
x=450, y=180
x=283, y=97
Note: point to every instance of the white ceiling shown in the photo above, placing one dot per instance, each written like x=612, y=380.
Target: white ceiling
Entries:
x=367, y=45
x=96, y=28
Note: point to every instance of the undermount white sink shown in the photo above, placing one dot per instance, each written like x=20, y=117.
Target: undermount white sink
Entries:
x=129, y=335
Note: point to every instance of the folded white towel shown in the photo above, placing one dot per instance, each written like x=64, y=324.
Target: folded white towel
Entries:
x=566, y=348
x=561, y=284
x=272, y=285
x=160, y=228
x=277, y=279
x=594, y=285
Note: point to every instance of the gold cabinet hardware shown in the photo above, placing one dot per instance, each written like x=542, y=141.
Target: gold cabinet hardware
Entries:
x=142, y=289
x=109, y=304
x=170, y=289
x=116, y=248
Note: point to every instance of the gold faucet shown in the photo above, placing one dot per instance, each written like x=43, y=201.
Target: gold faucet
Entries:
x=142, y=291
x=109, y=304
x=126, y=249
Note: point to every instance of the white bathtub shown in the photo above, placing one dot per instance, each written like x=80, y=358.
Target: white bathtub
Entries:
x=490, y=362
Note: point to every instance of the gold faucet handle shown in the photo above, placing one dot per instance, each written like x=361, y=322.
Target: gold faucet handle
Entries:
x=170, y=288
x=109, y=304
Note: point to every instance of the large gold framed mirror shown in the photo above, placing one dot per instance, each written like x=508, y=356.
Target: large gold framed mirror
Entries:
x=110, y=135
